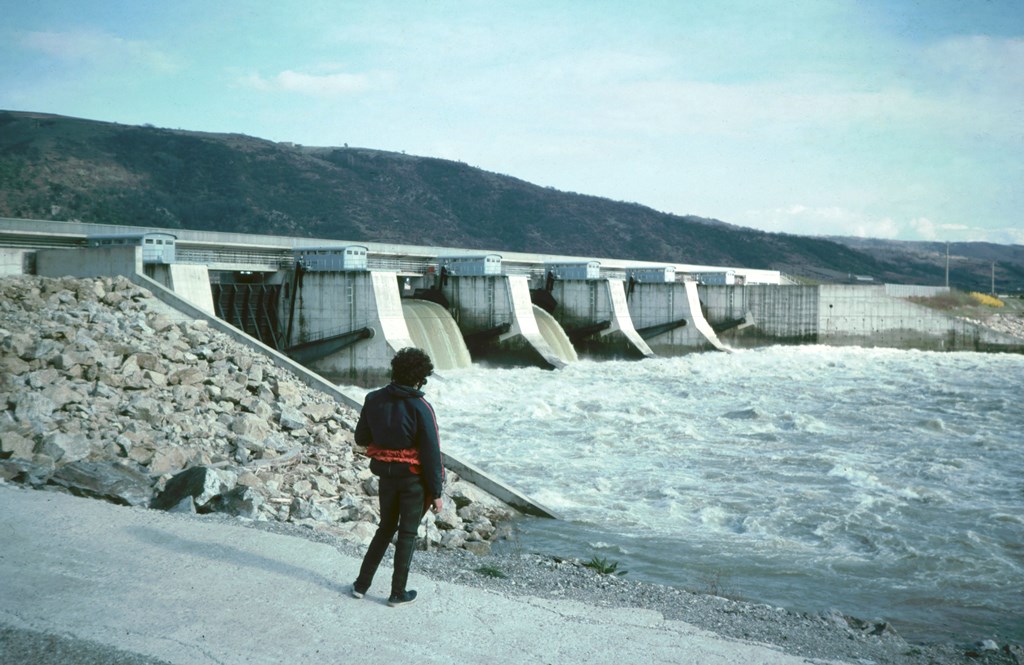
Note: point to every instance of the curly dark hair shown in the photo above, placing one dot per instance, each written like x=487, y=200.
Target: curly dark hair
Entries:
x=411, y=367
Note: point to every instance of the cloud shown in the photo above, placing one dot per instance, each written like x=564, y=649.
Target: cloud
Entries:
x=925, y=228
x=980, y=82
x=98, y=48
x=317, y=85
x=982, y=61
x=830, y=221
x=836, y=221
x=1008, y=236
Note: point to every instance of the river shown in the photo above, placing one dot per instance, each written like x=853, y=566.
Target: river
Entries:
x=884, y=484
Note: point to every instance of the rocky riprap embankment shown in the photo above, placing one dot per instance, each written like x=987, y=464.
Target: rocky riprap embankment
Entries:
x=105, y=394
x=1009, y=324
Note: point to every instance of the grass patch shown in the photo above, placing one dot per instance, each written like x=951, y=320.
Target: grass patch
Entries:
x=945, y=301
x=491, y=571
x=604, y=566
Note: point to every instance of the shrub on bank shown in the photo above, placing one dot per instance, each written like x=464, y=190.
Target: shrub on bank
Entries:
x=987, y=300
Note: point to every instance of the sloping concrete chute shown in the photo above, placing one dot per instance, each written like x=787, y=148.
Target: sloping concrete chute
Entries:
x=621, y=322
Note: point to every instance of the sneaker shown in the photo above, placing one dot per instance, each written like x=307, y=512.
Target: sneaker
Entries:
x=357, y=593
x=407, y=598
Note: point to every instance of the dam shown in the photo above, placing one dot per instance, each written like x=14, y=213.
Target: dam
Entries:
x=335, y=312
x=342, y=309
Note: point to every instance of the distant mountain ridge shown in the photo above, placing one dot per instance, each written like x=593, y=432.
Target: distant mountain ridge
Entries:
x=56, y=167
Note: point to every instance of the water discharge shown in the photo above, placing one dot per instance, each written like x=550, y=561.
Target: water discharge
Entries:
x=433, y=329
x=553, y=334
x=878, y=482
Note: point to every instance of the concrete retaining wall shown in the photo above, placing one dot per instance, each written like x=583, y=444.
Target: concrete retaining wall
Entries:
x=192, y=282
x=844, y=315
x=91, y=262
x=781, y=314
x=14, y=261
x=914, y=290
x=866, y=316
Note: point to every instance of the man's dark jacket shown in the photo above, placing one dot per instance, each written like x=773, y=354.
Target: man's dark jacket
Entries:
x=400, y=429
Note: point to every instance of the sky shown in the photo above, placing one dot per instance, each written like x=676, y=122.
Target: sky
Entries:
x=896, y=119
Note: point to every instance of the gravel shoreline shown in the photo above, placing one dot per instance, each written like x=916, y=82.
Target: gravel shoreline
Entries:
x=819, y=638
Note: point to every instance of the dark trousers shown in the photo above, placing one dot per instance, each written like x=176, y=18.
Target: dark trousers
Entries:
x=401, y=509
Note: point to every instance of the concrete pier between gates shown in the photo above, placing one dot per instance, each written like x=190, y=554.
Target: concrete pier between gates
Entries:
x=496, y=317
x=387, y=302
x=671, y=319
x=192, y=283
x=524, y=323
x=699, y=323
x=621, y=321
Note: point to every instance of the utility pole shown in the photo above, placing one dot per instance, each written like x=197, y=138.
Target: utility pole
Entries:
x=993, y=278
x=947, y=264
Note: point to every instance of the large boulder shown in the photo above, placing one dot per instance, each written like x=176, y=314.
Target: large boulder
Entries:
x=200, y=483
x=240, y=501
x=15, y=444
x=109, y=481
x=65, y=448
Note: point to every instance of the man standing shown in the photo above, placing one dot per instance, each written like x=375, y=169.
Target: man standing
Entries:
x=400, y=430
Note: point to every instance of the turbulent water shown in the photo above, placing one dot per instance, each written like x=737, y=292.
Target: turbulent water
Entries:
x=885, y=484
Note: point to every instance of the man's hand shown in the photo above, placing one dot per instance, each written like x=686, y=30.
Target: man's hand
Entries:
x=437, y=505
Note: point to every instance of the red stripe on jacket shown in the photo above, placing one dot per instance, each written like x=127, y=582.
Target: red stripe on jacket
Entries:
x=410, y=456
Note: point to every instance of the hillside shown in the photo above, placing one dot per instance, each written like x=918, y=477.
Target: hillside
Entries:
x=54, y=167
x=971, y=264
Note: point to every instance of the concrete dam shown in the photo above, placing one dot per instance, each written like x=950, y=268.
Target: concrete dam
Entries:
x=342, y=309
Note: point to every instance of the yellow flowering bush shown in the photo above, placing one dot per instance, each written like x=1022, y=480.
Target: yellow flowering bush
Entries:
x=983, y=299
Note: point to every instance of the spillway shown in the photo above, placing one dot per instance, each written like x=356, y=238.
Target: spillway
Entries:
x=553, y=334
x=433, y=329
